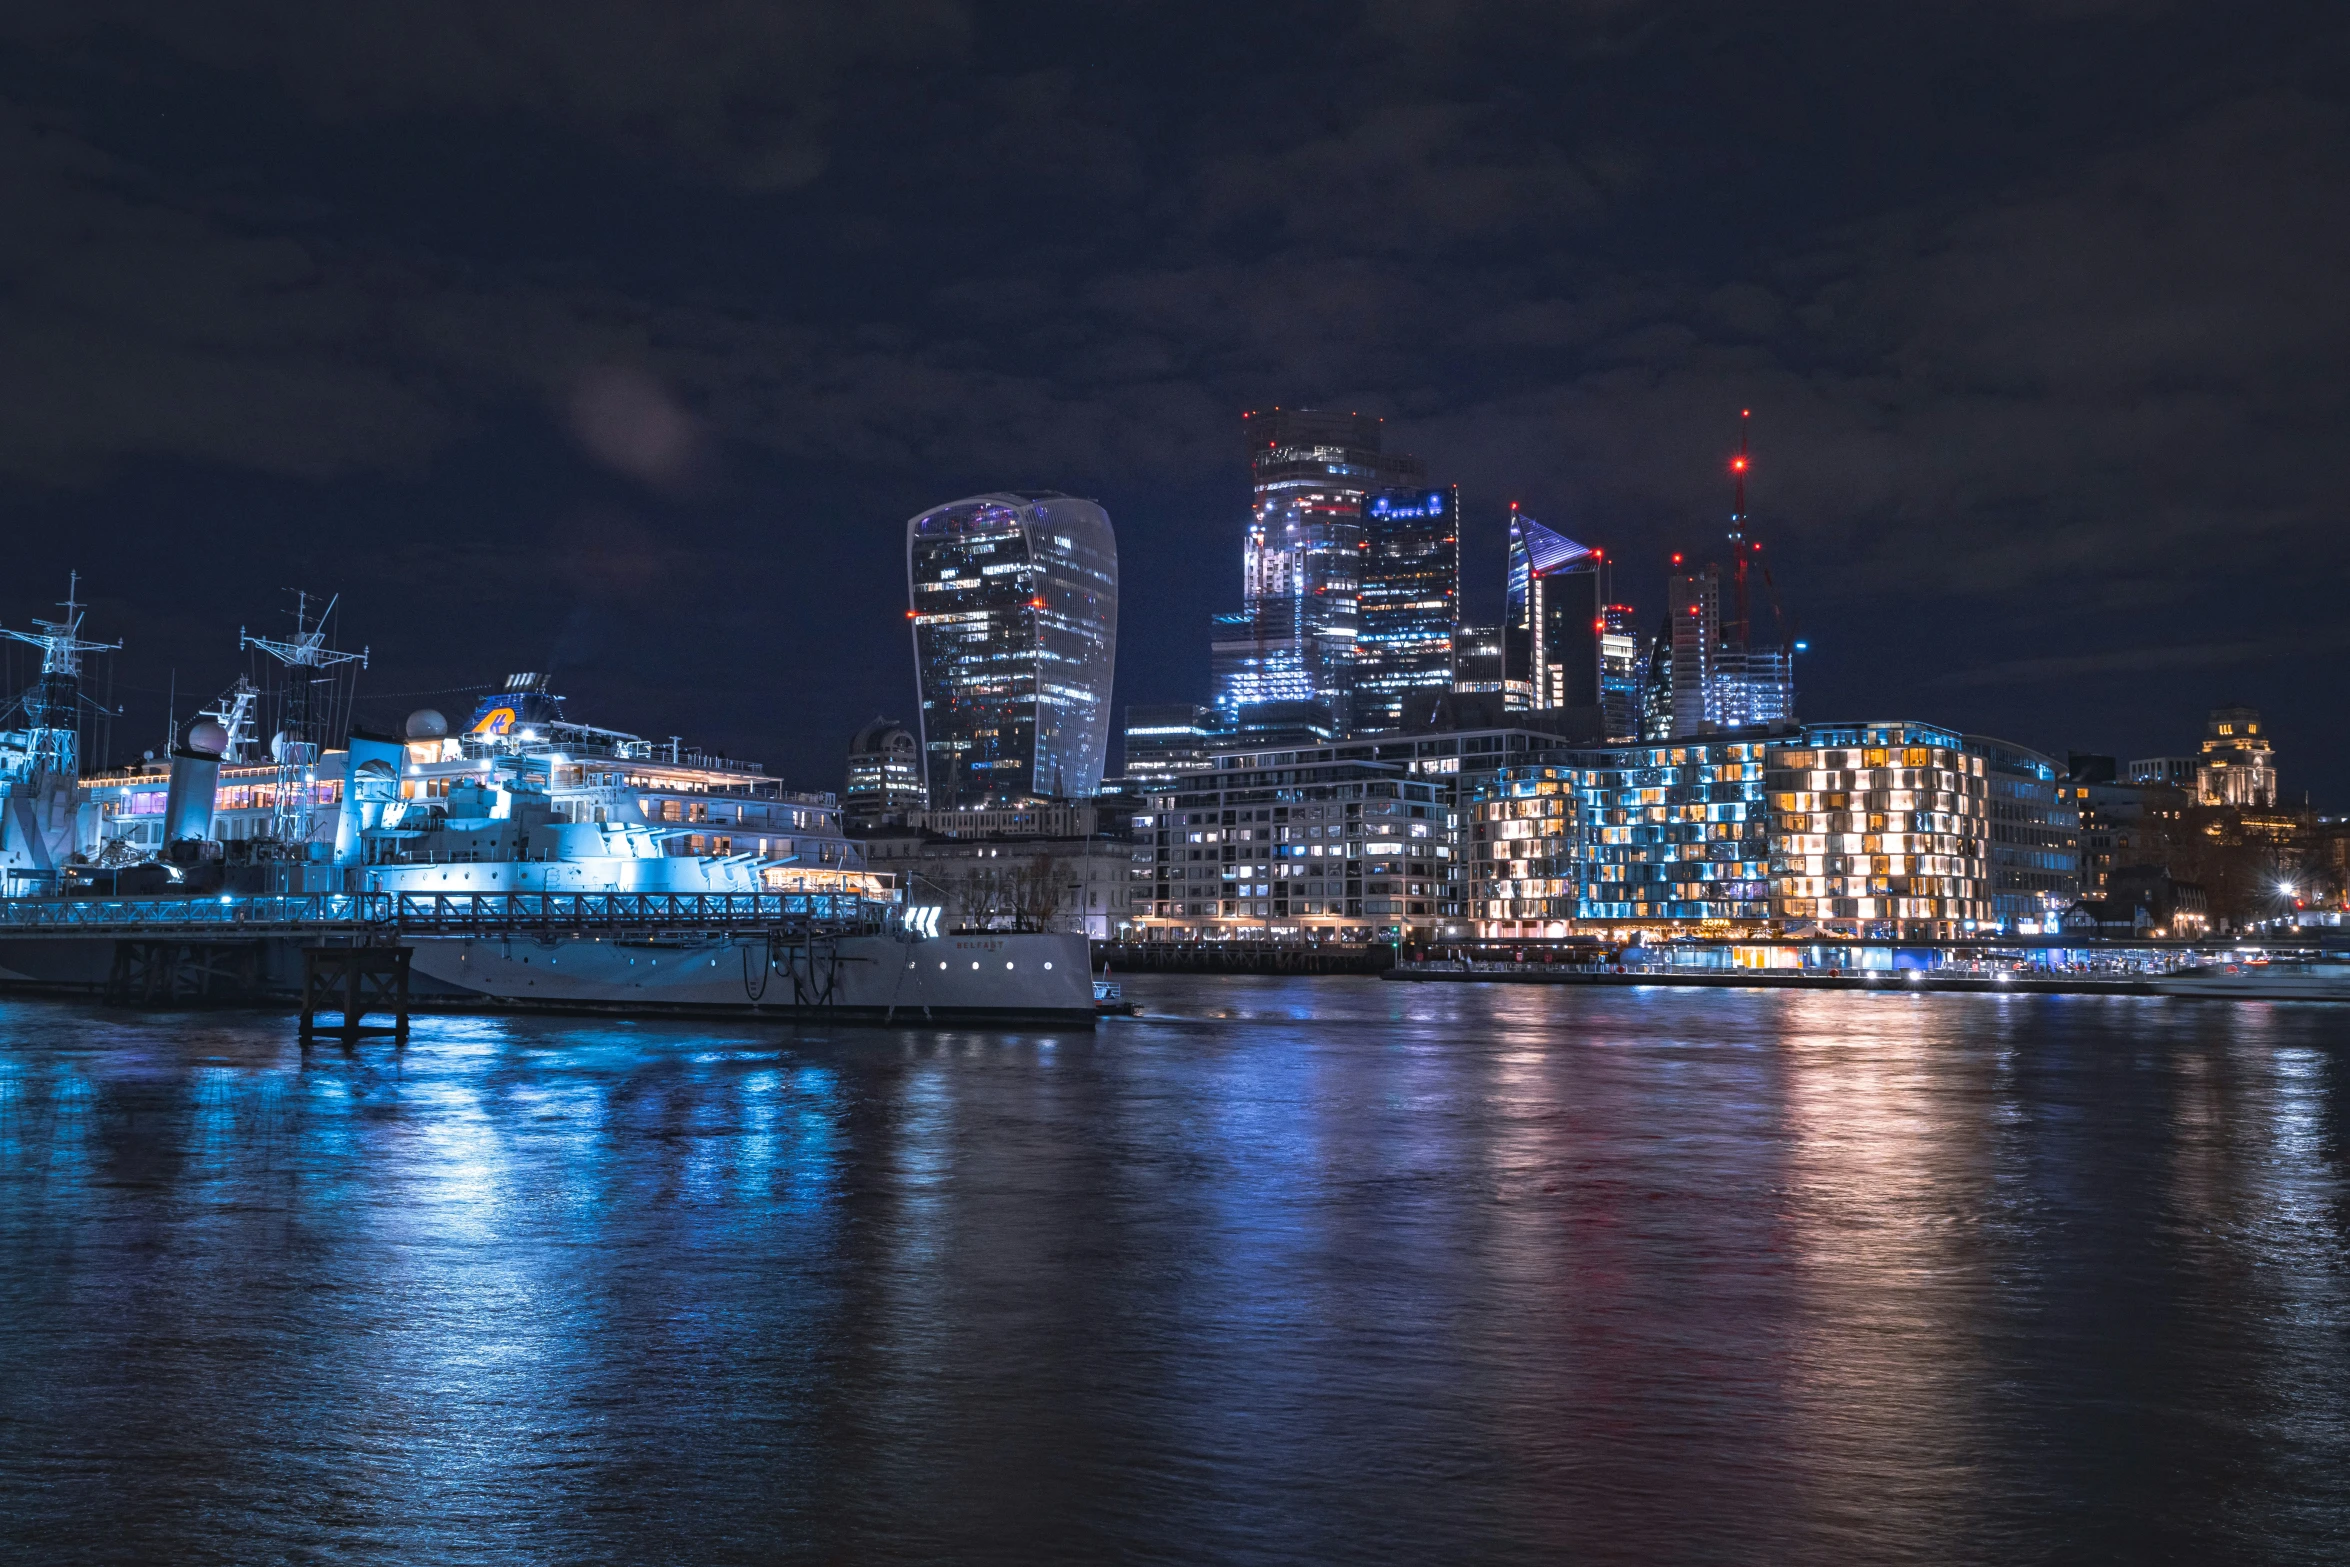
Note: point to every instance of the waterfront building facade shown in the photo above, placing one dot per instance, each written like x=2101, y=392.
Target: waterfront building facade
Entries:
x=885, y=773
x=1015, y=623
x=2035, y=836
x=1290, y=844
x=1355, y=841
x=1642, y=835
x=1410, y=603
x=2238, y=766
x=1881, y=828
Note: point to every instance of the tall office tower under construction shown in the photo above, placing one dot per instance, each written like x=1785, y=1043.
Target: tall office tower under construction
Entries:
x=1717, y=665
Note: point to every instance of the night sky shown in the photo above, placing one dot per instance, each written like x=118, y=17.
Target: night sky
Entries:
x=620, y=339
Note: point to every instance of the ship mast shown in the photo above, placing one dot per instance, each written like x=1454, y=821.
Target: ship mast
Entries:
x=296, y=745
x=234, y=713
x=52, y=707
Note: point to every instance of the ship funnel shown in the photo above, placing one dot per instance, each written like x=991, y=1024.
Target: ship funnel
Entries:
x=187, y=802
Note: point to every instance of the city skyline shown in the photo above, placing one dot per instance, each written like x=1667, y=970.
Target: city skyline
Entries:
x=557, y=365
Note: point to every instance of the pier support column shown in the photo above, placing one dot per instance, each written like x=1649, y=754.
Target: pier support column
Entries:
x=354, y=982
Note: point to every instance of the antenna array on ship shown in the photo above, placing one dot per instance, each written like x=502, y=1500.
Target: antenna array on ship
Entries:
x=296, y=745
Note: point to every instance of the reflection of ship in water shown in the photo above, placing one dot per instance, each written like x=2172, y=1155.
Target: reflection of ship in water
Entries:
x=528, y=858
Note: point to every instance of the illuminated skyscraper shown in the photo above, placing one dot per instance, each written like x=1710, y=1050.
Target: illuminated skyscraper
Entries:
x=1622, y=667
x=1411, y=602
x=1293, y=640
x=1015, y=620
x=1552, y=628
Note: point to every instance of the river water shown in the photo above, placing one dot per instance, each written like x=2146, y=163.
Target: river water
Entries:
x=1315, y=1270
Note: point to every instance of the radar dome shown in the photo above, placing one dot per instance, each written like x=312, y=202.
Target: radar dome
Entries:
x=427, y=724
x=208, y=738
x=278, y=745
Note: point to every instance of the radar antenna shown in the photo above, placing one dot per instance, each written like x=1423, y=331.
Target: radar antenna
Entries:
x=296, y=745
x=52, y=707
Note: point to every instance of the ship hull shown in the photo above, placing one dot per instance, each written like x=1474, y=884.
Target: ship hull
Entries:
x=1009, y=977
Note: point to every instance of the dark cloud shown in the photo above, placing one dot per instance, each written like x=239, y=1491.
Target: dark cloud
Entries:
x=740, y=90
x=676, y=310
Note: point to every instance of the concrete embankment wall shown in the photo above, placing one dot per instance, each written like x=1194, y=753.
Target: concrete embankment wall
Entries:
x=1773, y=979
x=1240, y=957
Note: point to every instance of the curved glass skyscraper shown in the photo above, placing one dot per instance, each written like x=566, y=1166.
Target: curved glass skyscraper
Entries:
x=1015, y=616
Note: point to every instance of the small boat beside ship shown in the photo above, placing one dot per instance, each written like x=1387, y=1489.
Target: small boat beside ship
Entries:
x=2325, y=979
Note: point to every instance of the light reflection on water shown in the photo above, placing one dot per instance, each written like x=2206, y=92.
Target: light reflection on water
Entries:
x=1289, y=1270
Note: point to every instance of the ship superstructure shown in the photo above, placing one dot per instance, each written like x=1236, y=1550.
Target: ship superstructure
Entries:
x=700, y=806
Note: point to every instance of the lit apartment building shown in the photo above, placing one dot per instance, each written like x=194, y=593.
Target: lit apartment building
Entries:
x=1291, y=844
x=1881, y=828
x=1874, y=828
x=2035, y=844
x=1626, y=836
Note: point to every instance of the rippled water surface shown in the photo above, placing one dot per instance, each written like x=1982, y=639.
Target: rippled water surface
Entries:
x=1295, y=1271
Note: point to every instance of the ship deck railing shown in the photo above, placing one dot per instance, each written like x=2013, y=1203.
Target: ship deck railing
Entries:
x=443, y=913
